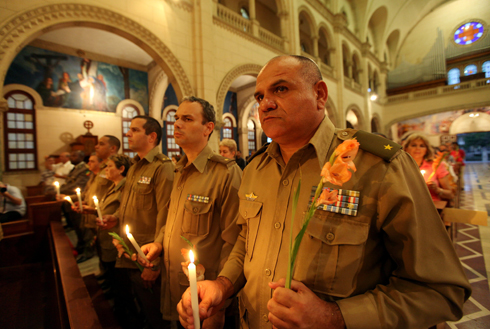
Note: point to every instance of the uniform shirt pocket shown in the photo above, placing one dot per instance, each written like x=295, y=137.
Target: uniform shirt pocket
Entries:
x=143, y=196
x=251, y=213
x=198, y=217
x=331, y=257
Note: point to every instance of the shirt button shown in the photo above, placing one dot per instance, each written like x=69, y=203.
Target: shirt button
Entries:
x=267, y=272
x=330, y=236
x=265, y=318
x=245, y=213
x=194, y=209
x=277, y=225
x=179, y=188
x=285, y=182
x=345, y=133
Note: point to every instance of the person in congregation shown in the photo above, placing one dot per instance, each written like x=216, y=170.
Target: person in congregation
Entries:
x=227, y=148
x=143, y=208
x=459, y=156
x=14, y=205
x=63, y=167
x=124, y=308
x=47, y=178
x=203, y=207
x=439, y=184
x=240, y=161
x=360, y=269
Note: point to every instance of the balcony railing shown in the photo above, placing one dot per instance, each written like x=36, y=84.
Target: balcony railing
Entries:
x=445, y=90
x=352, y=85
x=234, y=19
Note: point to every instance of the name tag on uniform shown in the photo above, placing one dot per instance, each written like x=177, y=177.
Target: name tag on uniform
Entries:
x=144, y=180
x=347, y=202
x=198, y=198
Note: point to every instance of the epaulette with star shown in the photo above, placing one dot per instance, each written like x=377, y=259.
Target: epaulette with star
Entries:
x=221, y=159
x=377, y=145
x=162, y=157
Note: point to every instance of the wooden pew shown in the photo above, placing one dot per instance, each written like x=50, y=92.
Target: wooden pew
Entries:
x=73, y=298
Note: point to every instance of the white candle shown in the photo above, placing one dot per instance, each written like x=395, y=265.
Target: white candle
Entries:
x=79, y=195
x=193, y=284
x=135, y=244
x=67, y=198
x=57, y=184
x=96, y=202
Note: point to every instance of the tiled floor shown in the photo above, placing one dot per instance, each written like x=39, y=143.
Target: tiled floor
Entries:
x=473, y=247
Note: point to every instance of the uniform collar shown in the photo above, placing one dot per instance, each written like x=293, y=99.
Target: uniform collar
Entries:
x=120, y=185
x=200, y=162
x=321, y=141
x=149, y=156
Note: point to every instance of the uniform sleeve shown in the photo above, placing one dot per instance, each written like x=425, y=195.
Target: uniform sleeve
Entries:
x=164, y=180
x=229, y=212
x=429, y=285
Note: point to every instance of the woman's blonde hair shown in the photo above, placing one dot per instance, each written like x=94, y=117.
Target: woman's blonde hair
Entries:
x=229, y=143
x=429, y=155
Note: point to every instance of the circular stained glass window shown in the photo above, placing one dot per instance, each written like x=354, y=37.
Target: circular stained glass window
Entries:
x=468, y=33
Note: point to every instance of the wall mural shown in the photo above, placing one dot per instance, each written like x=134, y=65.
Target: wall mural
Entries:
x=77, y=83
x=434, y=124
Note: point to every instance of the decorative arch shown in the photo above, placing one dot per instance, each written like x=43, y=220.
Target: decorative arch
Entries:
x=356, y=67
x=122, y=104
x=358, y=113
x=310, y=17
x=323, y=29
x=231, y=117
x=38, y=101
x=28, y=25
x=376, y=122
x=245, y=69
x=377, y=25
x=166, y=110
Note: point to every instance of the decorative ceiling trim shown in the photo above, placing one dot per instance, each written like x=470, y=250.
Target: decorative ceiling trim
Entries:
x=25, y=27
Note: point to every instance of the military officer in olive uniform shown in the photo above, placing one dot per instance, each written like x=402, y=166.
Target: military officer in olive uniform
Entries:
x=386, y=263
x=143, y=208
x=203, y=206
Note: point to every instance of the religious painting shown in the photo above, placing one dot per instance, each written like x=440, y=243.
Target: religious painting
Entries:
x=77, y=83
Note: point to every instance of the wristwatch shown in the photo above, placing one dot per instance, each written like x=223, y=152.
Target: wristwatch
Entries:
x=3, y=189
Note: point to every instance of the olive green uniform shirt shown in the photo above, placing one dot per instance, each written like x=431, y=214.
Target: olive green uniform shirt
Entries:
x=109, y=203
x=98, y=185
x=78, y=177
x=203, y=209
x=144, y=200
x=391, y=266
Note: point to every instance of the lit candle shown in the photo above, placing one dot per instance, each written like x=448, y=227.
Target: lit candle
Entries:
x=135, y=244
x=57, y=184
x=422, y=172
x=79, y=195
x=193, y=284
x=67, y=198
x=96, y=202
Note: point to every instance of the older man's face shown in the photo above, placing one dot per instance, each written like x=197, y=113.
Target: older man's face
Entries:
x=289, y=108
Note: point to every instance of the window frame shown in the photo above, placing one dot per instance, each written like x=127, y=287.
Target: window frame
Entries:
x=7, y=150
x=169, y=138
x=127, y=151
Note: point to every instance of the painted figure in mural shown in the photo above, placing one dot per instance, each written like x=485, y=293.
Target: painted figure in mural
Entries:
x=46, y=91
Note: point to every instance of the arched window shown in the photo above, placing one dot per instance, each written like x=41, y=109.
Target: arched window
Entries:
x=470, y=69
x=252, y=145
x=453, y=76
x=20, y=132
x=486, y=68
x=244, y=13
x=228, y=128
x=172, y=147
x=128, y=113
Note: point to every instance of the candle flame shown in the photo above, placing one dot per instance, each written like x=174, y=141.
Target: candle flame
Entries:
x=422, y=172
x=95, y=199
x=56, y=183
x=67, y=198
x=127, y=229
x=78, y=190
x=191, y=256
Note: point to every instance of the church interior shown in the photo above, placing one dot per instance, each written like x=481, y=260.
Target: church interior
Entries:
x=73, y=71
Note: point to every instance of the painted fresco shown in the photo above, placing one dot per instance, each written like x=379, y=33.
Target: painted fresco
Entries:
x=77, y=83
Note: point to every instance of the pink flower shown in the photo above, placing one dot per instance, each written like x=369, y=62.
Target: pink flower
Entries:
x=327, y=197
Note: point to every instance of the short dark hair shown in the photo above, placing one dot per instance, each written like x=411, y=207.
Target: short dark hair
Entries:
x=79, y=154
x=151, y=126
x=310, y=71
x=121, y=160
x=208, y=113
x=113, y=141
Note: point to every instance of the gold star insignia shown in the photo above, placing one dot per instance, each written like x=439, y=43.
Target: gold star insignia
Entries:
x=388, y=147
x=251, y=196
x=350, y=206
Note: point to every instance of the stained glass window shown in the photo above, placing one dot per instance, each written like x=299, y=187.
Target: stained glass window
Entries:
x=486, y=68
x=468, y=33
x=20, y=132
x=453, y=76
x=128, y=113
x=470, y=69
x=172, y=147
